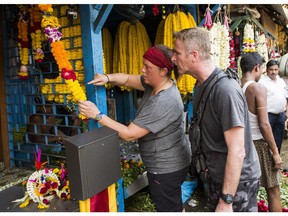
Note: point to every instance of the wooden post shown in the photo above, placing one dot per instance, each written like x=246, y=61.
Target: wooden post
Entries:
x=4, y=147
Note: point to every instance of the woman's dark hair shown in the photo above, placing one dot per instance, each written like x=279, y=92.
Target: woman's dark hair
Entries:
x=272, y=62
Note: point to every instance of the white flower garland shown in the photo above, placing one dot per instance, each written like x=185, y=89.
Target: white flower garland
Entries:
x=248, y=39
x=220, y=48
x=261, y=47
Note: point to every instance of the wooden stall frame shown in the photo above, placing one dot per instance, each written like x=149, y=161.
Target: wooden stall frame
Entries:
x=4, y=147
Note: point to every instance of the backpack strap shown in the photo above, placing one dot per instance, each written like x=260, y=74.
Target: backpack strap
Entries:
x=202, y=102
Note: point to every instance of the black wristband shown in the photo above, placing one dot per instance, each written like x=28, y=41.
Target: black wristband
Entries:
x=107, y=78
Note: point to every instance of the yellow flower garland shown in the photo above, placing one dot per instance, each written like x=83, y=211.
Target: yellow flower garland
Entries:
x=61, y=57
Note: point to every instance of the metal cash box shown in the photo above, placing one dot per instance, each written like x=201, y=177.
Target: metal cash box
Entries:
x=93, y=161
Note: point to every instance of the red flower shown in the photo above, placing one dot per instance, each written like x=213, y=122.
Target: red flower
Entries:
x=23, y=77
x=54, y=185
x=155, y=9
x=45, y=201
x=43, y=190
x=25, y=44
x=63, y=196
x=85, y=120
x=68, y=74
x=48, y=185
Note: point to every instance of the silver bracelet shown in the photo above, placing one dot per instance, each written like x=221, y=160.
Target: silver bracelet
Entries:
x=107, y=78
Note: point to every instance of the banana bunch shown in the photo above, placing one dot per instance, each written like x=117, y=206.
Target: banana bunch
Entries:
x=131, y=42
x=175, y=22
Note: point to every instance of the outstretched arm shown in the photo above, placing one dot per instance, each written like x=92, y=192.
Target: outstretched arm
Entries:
x=118, y=79
x=127, y=133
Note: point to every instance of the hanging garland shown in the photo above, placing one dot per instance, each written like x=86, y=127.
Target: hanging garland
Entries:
x=261, y=47
x=51, y=25
x=23, y=43
x=174, y=22
x=36, y=33
x=248, y=40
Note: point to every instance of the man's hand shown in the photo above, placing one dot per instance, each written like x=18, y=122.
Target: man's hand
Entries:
x=277, y=160
x=223, y=207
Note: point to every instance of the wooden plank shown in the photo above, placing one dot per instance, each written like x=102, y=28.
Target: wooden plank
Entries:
x=4, y=146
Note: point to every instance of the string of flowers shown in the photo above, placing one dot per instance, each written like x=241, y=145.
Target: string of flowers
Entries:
x=45, y=184
x=51, y=25
x=23, y=43
x=248, y=40
x=208, y=19
x=36, y=34
x=261, y=46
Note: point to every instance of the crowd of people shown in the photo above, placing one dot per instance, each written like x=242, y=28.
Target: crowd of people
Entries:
x=241, y=130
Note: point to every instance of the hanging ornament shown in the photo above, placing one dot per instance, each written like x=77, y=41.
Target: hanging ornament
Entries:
x=23, y=43
x=155, y=9
x=248, y=39
x=208, y=19
x=163, y=12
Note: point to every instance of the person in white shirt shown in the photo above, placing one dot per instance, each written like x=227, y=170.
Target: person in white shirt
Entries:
x=276, y=100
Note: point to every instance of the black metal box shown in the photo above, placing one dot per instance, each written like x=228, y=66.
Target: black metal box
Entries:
x=93, y=162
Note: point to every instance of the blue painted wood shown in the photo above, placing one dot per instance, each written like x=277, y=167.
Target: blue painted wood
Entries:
x=214, y=9
x=129, y=107
x=93, y=62
x=189, y=111
x=92, y=57
x=120, y=196
x=102, y=17
x=192, y=8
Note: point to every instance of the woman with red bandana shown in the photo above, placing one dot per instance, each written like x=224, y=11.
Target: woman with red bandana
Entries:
x=158, y=126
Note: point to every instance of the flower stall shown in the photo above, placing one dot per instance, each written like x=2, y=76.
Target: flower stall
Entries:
x=52, y=51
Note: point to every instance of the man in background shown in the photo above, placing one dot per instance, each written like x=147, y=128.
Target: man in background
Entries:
x=276, y=101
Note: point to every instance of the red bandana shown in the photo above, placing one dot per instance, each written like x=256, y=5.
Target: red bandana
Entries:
x=157, y=57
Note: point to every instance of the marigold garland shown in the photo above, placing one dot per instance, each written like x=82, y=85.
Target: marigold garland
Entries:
x=23, y=44
x=50, y=24
x=36, y=33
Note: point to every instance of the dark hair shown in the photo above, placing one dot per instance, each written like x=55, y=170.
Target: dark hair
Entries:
x=271, y=63
x=250, y=60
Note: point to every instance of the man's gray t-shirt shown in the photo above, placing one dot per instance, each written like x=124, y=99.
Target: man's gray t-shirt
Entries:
x=226, y=108
x=166, y=148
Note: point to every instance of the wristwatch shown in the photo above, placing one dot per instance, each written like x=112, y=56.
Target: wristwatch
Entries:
x=227, y=198
x=98, y=116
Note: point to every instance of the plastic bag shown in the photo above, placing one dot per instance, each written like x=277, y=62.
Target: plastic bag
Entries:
x=187, y=189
